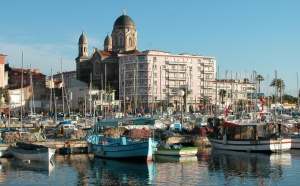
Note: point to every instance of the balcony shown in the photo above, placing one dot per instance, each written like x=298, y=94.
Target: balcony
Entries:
x=208, y=79
x=171, y=86
x=209, y=71
x=176, y=70
x=208, y=86
x=176, y=62
x=208, y=63
x=144, y=77
x=144, y=69
x=176, y=78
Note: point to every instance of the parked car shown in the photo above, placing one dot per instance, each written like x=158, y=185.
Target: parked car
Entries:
x=60, y=115
x=34, y=115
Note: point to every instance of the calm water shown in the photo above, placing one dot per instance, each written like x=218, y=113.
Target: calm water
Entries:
x=210, y=167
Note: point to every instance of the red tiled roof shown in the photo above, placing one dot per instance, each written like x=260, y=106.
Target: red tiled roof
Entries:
x=132, y=52
x=107, y=53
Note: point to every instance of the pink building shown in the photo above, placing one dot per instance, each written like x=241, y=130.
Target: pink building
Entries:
x=3, y=75
x=153, y=79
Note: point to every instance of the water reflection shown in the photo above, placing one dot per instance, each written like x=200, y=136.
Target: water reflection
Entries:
x=252, y=166
x=174, y=159
x=112, y=172
x=211, y=167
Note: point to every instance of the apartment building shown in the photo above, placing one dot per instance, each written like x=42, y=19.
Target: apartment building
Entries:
x=152, y=78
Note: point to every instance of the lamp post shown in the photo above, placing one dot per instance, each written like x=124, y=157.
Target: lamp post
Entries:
x=181, y=94
x=127, y=98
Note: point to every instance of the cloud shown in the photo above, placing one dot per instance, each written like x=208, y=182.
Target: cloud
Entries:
x=40, y=56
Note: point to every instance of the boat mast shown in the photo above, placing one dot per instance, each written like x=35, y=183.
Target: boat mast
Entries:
x=62, y=88
x=124, y=89
x=298, y=93
x=55, y=114
x=21, y=107
x=31, y=90
x=276, y=95
x=105, y=107
x=50, y=104
x=90, y=93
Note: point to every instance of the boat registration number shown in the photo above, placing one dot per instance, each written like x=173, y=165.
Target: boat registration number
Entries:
x=254, y=142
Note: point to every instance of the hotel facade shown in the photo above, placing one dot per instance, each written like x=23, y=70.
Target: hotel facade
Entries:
x=154, y=78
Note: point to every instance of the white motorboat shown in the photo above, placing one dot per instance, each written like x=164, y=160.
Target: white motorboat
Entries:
x=32, y=152
x=250, y=136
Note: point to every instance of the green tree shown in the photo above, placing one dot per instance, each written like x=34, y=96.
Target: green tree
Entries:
x=278, y=84
x=260, y=78
x=109, y=92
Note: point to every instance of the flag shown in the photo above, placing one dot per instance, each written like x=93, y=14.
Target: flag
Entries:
x=262, y=103
x=228, y=110
x=262, y=106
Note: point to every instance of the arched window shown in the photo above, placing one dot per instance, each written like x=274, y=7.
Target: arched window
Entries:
x=120, y=40
x=130, y=41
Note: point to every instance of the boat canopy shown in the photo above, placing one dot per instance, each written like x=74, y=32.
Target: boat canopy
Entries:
x=123, y=121
x=231, y=124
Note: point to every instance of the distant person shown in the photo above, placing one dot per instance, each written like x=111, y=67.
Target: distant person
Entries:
x=42, y=131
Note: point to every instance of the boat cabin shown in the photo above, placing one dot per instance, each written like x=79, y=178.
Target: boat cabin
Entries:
x=64, y=128
x=202, y=120
x=122, y=122
x=175, y=127
x=250, y=131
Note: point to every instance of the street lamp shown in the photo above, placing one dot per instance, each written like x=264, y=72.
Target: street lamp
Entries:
x=181, y=94
x=125, y=110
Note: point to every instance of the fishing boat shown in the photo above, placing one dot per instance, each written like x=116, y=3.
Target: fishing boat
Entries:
x=123, y=146
x=32, y=152
x=176, y=150
x=250, y=136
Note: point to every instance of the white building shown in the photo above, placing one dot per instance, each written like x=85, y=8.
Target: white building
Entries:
x=153, y=77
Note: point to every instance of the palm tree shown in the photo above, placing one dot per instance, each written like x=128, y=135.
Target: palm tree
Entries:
x=109, y=91
x=246, y=80
x=278, y=84
x=222, y=94
x=259, y=78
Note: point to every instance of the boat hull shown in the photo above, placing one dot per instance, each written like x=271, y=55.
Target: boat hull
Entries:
x=185, y=151
x=121, y=148
x=44, y=154
x=270, y=145
x=296, y=142
x=163, y=158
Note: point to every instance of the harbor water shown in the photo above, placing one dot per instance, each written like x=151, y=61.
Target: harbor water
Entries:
x=209, y=167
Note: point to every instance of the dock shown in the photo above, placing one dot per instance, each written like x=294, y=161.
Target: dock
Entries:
x=70, y=145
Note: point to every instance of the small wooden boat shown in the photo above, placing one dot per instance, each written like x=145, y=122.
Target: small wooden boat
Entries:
x=176, y=150
x=181, y=159
x=32, y=152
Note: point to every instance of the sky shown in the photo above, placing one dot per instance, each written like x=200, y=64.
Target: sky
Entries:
x=243, y=36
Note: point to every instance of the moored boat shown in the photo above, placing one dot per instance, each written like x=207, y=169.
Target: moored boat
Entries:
x=250, y=136
x=25, y=151
x=177, y=151
x=295, y=141
x=125, y=146
x=165, y=159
